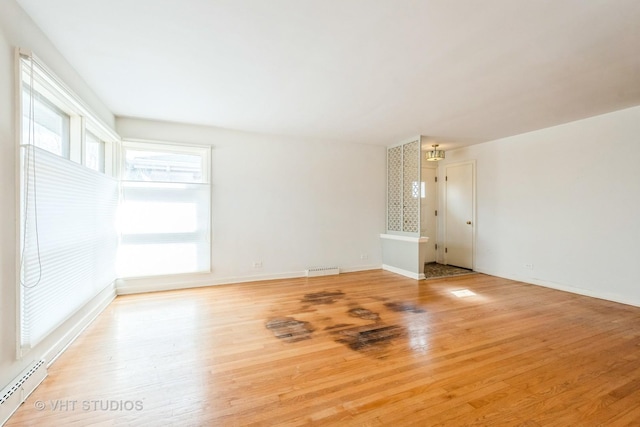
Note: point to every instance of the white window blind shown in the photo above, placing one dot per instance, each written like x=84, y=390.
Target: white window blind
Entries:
x=164, y=217
x=69, y=240
x=68, y=236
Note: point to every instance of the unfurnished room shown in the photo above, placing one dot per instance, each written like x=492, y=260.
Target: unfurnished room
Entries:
x=349, y=213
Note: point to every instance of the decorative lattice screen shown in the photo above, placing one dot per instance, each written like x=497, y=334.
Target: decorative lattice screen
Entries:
x=411, y=187
x=394, y=195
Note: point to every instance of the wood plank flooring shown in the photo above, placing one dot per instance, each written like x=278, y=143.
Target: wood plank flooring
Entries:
x=369, y=348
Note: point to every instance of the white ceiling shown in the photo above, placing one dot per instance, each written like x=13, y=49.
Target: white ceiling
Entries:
x=370, y=71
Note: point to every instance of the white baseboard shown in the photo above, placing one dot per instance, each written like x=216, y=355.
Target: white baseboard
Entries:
x=406, y=273
x=94, y=308
x=565, y=288
x=360, y=268
x=136, y=286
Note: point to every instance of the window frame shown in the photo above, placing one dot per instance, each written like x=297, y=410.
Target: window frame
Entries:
x=204, y=151
x=201, y=150
x=33, y=74
x=53, y=107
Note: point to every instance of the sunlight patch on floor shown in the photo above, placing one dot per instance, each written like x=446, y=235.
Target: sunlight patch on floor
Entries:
x=463, y=293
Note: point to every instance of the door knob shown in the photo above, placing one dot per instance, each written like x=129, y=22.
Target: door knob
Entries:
x=468, y=222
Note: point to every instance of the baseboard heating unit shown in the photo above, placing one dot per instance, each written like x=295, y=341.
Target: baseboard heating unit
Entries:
x=20, y=388
x=322, y=271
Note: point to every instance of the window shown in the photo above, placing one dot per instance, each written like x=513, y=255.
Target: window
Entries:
x=94, y=151
x=164, y=217
x=43, y=123
x=163, y=166
x=56, y=120
x=68, y=236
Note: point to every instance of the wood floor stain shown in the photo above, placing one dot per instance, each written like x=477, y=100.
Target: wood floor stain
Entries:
x=289, y=329
x=323, y=297
x=363, y=313
x=368, y=338
x=404, y=306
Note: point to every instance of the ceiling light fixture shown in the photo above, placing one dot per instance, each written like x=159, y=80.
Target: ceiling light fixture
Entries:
x=435, y=154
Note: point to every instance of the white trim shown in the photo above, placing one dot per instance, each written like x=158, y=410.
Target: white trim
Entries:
x=360, y=268
x=18, y=199
x=96, y=306
x=202, y=150
x=142, y=285
x=564, y=288
x=69, y=95
x=406, y=273
x=142, y=142
x=422, y=239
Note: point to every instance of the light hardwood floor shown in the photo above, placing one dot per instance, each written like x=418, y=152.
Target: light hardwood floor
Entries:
x=369, y=348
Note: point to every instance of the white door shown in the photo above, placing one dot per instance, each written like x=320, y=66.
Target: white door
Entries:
x=459, y=215
x=428, y=208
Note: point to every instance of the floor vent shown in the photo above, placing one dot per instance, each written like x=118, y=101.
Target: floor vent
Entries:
x=17, y=392
x=322, y=271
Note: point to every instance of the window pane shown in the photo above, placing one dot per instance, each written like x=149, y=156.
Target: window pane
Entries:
x=161, y=208
x=164, y=216
x=49, y=129
x=94, y=152
x=142, y=165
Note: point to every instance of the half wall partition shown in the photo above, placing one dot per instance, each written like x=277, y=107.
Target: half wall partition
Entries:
x=403, y=248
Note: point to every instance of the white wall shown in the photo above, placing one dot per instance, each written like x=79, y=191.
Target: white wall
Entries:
x=16, y=29
x=565, y=199
x=287, y=203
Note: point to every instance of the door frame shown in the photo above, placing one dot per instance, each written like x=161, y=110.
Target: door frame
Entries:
x=473, y=209
x=433, y=240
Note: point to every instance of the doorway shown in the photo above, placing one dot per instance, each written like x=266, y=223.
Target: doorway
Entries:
x=459, y=214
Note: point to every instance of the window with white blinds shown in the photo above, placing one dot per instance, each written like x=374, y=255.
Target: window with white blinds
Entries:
x=164, y=217
x=68, y=236
x=70, y=246
x=81, y=228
